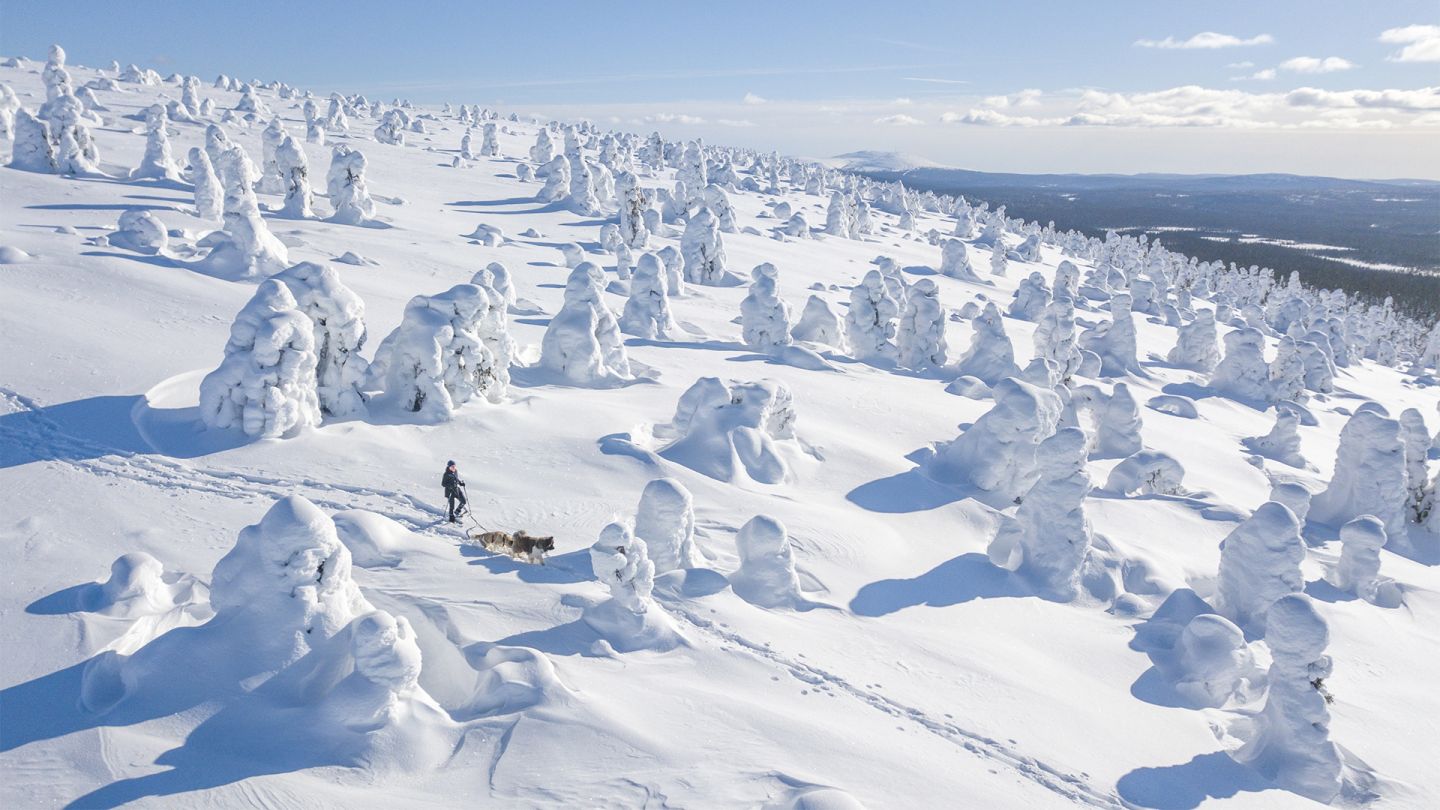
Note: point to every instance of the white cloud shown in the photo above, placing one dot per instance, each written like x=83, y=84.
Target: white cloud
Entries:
x=672, y=118
x=1422, y=43
x=751, y=98
x=933, y=80
x=903, y=102
x=991, y=118
x=1423, y=99
x=1205, y=40
x=734, y=122
x=1240, y=65
x=899, y=120
x=1262, y=75
x=1312, y=64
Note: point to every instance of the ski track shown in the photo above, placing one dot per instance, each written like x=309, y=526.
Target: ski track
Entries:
x=102, y=460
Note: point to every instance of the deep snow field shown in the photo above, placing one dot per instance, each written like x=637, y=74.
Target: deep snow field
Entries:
x=911, y=673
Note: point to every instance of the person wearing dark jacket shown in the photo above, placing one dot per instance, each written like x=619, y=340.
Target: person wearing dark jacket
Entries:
x=454, y=492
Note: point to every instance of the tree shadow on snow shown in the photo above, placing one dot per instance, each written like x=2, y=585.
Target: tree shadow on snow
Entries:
x=560, y=569
x=953, y=582
x=1325, y=592
x=909, y=491
x=1188, y=785
x=71, y=431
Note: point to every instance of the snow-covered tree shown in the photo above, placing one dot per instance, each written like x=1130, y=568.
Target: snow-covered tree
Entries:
x=294, y=169
x=990, y=356
x=920, y=336
x=955, y=261
x=647, y=311
x=634, y=202
x=767, y=574
x=209, y=198
x=998, y=453
x=1118, y=429
x=337, y=316
x=1282, y=443
x=837, y=215
x=717, y=202
x=723, y=431
x=272, y=180
x=346, y=185
x=544, y=149
x=1196, y=346
x=1287, y=372
x=249, y=248
x=1290, y=743
x=665, y=520
x=490, y=142
x=1031, y=298
x=581, y=198
x=158, y=162
x=764, y=315
x=1259, y=563
x=1358, y=570
x=1416, y=438
x=870, y=322
x=1047, y=540
x=1242, y=373
x=999, y=259
x=1054, y=338
x=704, y=250
x=438, y=358
x=1369, y=476
x=557, y=180
x=266, y=385
x=583, y=342
x=621, y=561
x=1115, y=340
x=819, y=324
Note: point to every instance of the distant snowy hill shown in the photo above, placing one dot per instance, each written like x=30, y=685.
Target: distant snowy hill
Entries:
x=860, y=496
x=878, y=161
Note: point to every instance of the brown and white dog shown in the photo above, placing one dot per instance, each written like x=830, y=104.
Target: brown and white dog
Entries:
x=519, y=545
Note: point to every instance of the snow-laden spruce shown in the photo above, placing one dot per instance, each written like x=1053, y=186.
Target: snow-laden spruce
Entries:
x=955, y=262
x=583, y=344
x=1289, y=740
x=1369, y=476
x=31, y=150
x=158, y=162
x=1282, y=443
x=266, y=385
x=990, y=357
x=997, y=453
x=209, y=198
x=767, y=574
x=1055, y=339
x=246, y=248
x=557, y=180
x=726, y=431
x=1048, y=538
x=1358, y=569
x=438, y=358
x=272, y=179
x=1259, y=563
x=1210, y=662
x=1117, y=432
x=717, y=202
x=665, y=520
x=818, y=323
x=704, y=250
x=764, y=315
x=1196, y=346
x=870, y=322
x=634, y=202
x=294, y=172
x=1115, y=340
x=345, y=184
x=1242, y=373
x=544, y=149
x=1031, y=298
x=337, y=316
x=622, y=563
x=1416, y=438
x=920, y=336
x=647, y=310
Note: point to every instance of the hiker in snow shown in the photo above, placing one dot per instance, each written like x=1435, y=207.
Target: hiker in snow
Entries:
x=454, y=492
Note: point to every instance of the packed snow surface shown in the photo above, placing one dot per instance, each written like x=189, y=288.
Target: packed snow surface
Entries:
x=821, y=460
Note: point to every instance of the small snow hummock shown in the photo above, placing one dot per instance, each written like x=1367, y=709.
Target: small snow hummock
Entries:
x=724, y=431
x=665, y=520
x=997, y=453
x=870, y=321
x=1048, y=538
x=764, y=315
x=647, y=310
x=438, y=358
x=582, y=344
x=1369, y=476
x=991, y=357
x=266, y=385
x=1210, y=662
x=140, y=231
x=1259, y=563
x=1282, y=443
x=1290, y=739
x=767, y=566
x=819, y=324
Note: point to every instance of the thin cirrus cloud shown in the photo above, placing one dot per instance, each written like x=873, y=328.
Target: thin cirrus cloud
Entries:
x=1205, y=40
x=1422, y=43
x=1312, y=64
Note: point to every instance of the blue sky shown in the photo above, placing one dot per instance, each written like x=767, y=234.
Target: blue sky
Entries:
x=1043, y=86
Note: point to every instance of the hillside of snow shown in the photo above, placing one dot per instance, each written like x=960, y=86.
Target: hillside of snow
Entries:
x=942, y=498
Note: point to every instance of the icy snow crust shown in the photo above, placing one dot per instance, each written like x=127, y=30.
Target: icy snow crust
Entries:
x=268, y=611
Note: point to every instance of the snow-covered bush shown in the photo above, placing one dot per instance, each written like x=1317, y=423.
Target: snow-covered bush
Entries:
x=665, y=520
x=582, y=344
x=920, y=336
x=1148, y=472
x=266, y=385
x=703, y=249
x=767, y=566
x=1196, y=346
x=997, y=453
x=1048, y=538
x=1210, y=662
x=870, y=321
x=1369, y=476
x=819, y=324
x=764, y=316
x=1282, y=443
x=647, y=310
x=1259, y=563
x=140, y=231
x=723, y=430
x=991, y=357
x=1358, y=570
x=620, y=561
x=1290, y=739
x=337, y=316
x=346, y=185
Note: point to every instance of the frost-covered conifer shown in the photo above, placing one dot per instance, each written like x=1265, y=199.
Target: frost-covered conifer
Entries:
x=717, y=202
x=870, y=321
x=1114, y=341
x=1047, y=540
x=837, y=215
x=1196, y=346
x=346, y=183
x=490, y=142
x=955, y=261
x=1370, y=476
x=704, y=250
x=1054, y=338
x=272, y=181
x=1243, y=374
x=544, y=149
x=265, y=386
x=1031, y=298
x=1358, y=570
x=438, y=358
x=581, y=198
x=621, y=561
x=336, y=121
x=1282, y=443
x=9, y=105
x=999, y=261
x=647, y=311
x=634, y=202
x=819, y=324
x=990, y=356
x=209, y=198
x=920, y=336
x=1118, y=429
x=998, y=453
x=157, y=161
x=337, y=316
x=32, y=151
x=665, y=520
x=1291, y=736
x=557, y=180
x=764, y=316
x=249, y=248
x=290, y=162
x=767, y=566
x=583, y=342
x=1416, y=438
x=1287, y=373
x=1259, y=563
